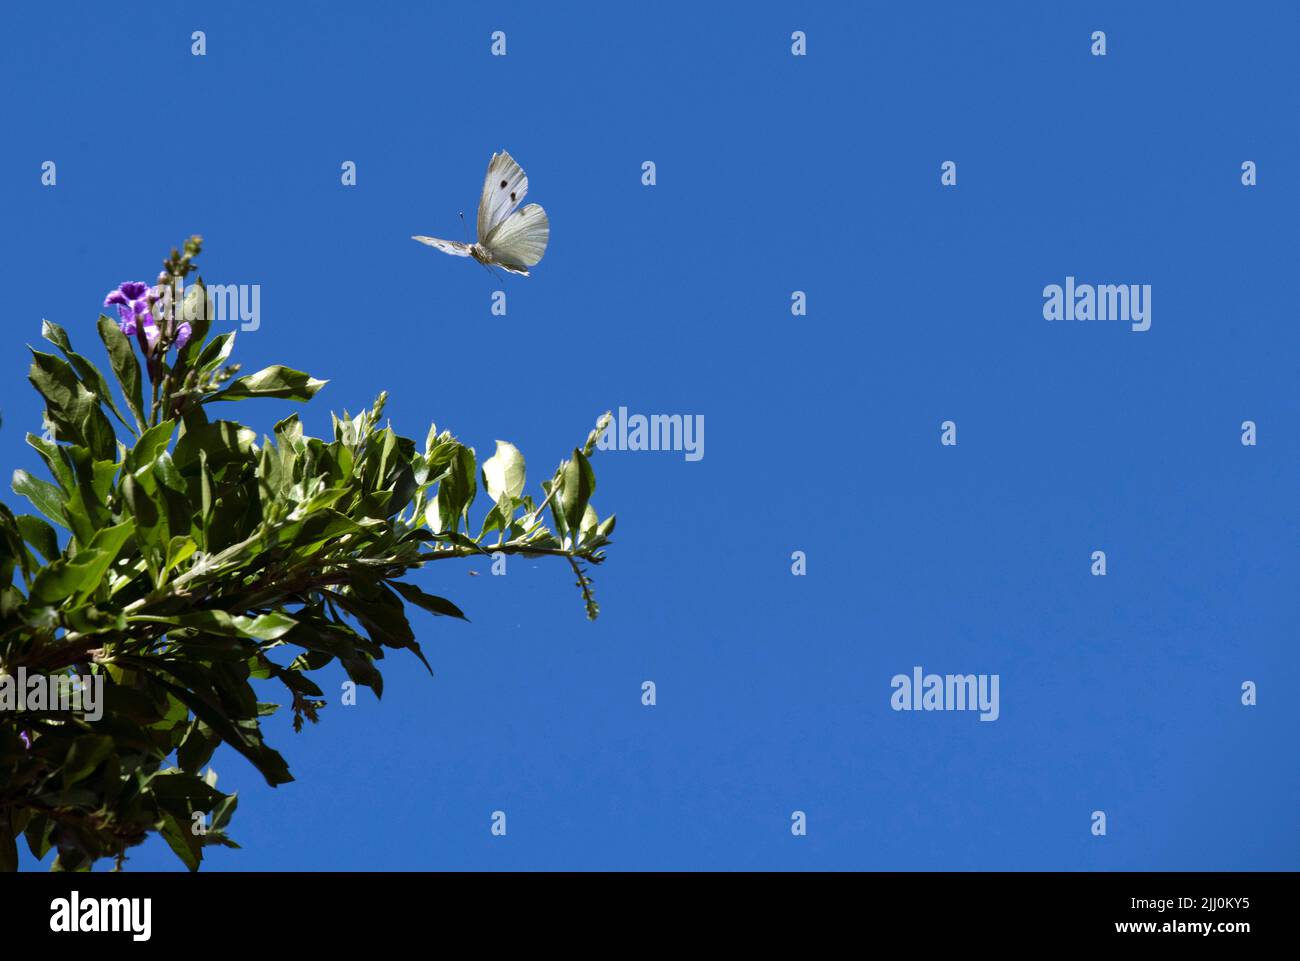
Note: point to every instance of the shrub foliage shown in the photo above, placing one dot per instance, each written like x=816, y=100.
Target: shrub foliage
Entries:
x=180, y=558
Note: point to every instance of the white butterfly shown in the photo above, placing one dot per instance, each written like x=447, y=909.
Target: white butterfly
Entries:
x=511, y=239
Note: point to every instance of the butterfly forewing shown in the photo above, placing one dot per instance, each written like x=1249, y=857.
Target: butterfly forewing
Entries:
x=504, y=188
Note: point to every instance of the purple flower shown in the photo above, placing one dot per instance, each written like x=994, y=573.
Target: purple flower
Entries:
x=132, y=302
x=183, y=334
x=27, y=741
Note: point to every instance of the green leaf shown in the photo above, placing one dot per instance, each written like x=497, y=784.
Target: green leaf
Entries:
x=222, y=441
x=215, y=353
x=40, y=535
x=503, y=472
x=499, y=517
x=56, y=381
x=196, y=309
x=94, y=620
x=55, y=334
x=78, y=576
x=198, y=746
x=87, y=371
x=86, y=753
x=151, y=524
x=325, y=639
x=579, y=482
x=590, y=521
x=178, y=832
x=179, y=550
x=56, y=459
x=264, y=627
x=72, y=408
x=45, y=497
x=244, y=738
x=122, y=360
x=107, y=544
x=456, y=489
x=37, y=834
x=275, y=381
x=382, y=614
x=430, y=602
x=289, y=432
x=171, y=787
x=151, y=443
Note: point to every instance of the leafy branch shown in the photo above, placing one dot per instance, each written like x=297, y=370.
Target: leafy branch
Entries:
x=184, y=565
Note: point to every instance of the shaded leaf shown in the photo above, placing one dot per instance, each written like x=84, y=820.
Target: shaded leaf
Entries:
x=125, y=367
x=430, y=602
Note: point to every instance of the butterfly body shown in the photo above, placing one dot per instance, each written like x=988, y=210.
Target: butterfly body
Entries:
x=482, y=255
x=510, y=237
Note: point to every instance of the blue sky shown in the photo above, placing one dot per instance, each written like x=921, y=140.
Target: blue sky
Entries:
x=774, y=174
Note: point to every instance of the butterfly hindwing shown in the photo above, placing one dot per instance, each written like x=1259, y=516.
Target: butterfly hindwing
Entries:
x=520, y=240
x=504, y=188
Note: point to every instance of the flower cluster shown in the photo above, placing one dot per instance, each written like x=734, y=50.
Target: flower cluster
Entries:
x=135, y=302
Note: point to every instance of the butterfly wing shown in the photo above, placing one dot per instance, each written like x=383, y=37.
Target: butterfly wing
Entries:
x=446, y=246
x=520, y=240
x=504, y=188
